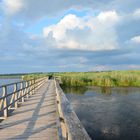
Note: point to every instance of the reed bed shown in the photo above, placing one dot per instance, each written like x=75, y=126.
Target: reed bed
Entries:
x=105, y=79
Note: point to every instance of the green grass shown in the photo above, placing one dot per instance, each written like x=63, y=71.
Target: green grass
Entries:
x=10, y=76
x=22, y=75
x=33, y=76
x=102, y=79
x=105, y=79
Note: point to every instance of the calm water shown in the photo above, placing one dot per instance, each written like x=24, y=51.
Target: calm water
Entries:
x=10, y=89
x=7, y=81
x=108, y=114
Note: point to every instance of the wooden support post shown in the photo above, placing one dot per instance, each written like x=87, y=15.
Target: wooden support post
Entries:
x=27, y=90
x=5, y=102
x=1, y=101
x=15, y=96
x=19, y=94
x=30, y=87
x=34, y=86
x=22, y=92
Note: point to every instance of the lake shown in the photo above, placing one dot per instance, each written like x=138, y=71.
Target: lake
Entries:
x=107, y=113
x=4, y=81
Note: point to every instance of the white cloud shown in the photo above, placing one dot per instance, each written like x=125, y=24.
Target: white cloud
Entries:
x=136, y=13
x=87, y=33
x=12, y=7
x=108, y=16
x=69, y=22
x=62, y=41
x=35, y=10
x=136, y=39
x=29, y=9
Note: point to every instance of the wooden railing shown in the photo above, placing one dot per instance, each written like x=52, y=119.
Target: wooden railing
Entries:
x=70, y=126
x=20, y=92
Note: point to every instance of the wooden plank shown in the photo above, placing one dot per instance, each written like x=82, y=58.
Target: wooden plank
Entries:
x=5, y=102
x=35, y=119
x=43, y=117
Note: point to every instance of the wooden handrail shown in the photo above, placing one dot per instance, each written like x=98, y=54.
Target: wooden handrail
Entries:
x=22, y=90
x=71, y=127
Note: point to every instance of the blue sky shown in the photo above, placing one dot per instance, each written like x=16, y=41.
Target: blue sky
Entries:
x=89, y=35
x=47, y=21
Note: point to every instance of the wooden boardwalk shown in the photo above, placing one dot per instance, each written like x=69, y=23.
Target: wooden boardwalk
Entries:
x=41, y=112
x=35, y=119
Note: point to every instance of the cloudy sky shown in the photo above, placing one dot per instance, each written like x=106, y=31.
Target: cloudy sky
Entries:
x=69, y=35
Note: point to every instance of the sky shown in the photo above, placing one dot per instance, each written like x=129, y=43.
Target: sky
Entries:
x=69, y=35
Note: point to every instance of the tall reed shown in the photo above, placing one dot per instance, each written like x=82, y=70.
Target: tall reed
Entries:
x=107, y=79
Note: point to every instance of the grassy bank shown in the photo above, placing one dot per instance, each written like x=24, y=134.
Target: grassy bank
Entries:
x=106, y=79
x=24, y=76
x=10, y=76
x=33, y=76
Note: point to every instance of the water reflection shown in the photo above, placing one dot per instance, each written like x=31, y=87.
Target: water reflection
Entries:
x=108, y=113
x=75, y=90
x=101, y=90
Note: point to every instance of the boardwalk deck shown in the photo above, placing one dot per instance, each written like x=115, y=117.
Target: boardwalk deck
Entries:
x=35, y=119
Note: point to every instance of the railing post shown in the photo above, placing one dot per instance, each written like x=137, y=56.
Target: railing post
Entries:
x=34, y=86
x=30, y=87
x=15, y=95
x=36, y=83
x=5, y=102
x=32, y=83
x=22, y=93
x=27, y=90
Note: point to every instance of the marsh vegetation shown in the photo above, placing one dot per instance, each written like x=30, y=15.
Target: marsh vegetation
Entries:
x=105, y=79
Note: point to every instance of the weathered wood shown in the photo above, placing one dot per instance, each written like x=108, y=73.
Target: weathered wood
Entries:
x=1, y=101
x=35, y=119
x=47, y=114
x=5, y=102
x=22, y=93
x=72, y=127
x=15, y=97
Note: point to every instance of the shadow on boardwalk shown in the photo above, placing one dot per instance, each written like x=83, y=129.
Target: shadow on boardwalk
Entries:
x=35, y=119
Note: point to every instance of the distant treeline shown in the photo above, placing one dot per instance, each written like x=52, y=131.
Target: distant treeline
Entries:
x=17, y=75
x=106, y=79
x=34, y=76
